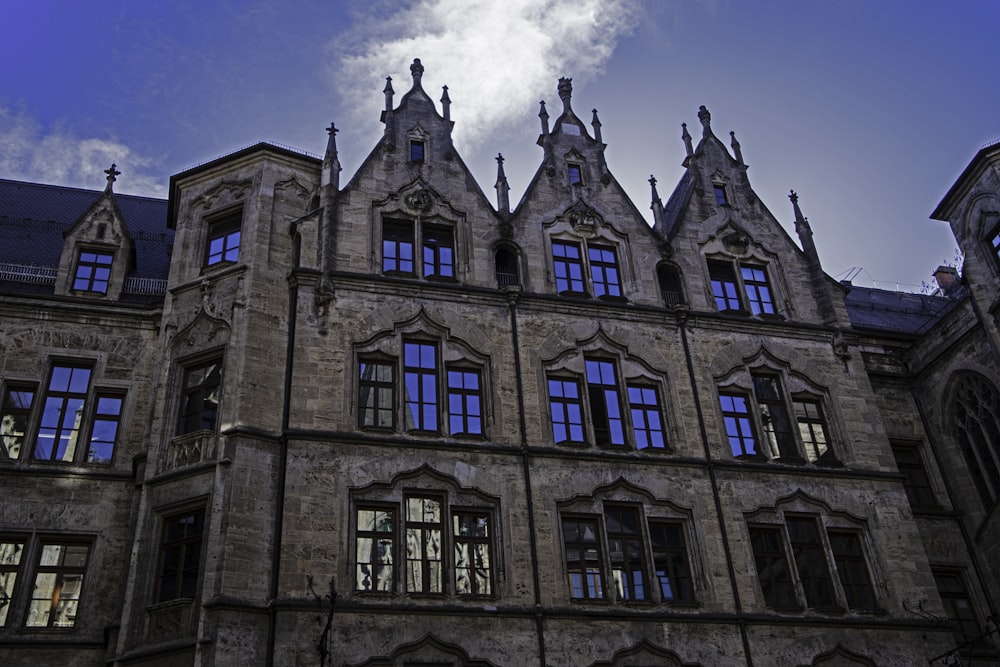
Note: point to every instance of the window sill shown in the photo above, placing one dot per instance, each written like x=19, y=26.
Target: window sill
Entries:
x=574, y=295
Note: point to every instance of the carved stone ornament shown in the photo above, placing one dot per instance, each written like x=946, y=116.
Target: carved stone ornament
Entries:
x=736, y=242
x=583, y=218
x=421, y=200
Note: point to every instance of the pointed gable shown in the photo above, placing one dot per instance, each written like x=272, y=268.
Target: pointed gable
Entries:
x=98, y=252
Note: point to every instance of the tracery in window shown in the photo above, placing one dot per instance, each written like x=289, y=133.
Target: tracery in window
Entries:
x=445, y=535
x=976, y=417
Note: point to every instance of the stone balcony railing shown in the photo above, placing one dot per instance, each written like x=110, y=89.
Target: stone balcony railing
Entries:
x=46, y=275
x=191, y=448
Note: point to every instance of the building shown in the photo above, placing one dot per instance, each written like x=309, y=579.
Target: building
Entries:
x=280, y=420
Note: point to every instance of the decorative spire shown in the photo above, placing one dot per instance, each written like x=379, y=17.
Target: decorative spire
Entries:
x=445, y=103
x=687, y=139
x=388, y=93
x=706, y=121
x=801, y=223
x=656, y=205
x=331, y=164
x=417, y=71
x=544, y=115
x=566, y=93
x=502, y=188
x=736, y=149
x=113, y=174
x=596, y=124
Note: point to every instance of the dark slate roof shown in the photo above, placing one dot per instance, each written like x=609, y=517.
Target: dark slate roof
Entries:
x=899, y=312
x=33, y=218
x=678, y=202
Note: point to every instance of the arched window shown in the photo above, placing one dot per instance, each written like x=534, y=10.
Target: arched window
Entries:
x=670, y=285
x=976, y=411
x=505, y=261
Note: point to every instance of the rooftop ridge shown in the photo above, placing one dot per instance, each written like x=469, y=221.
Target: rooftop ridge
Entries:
x=276, y=144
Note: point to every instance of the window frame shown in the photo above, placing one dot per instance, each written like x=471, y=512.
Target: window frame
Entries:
x=574, y=173
x=375, y=389
x=11, y=412
x=183, y=545
x=226, y=227
x=11, y=574
x=398, y=538
x=61, y=572
x=568, y=263
x=400, y=234
x=418, y=150
x=823, y=564
x=96, y=267
x=566, y=402
x=427, y=400
x=186, y=392
x=469, y=401
x=786, y=445
x=917, y=484
x=66, y=398
x=439, y=242
x=720, y=193
x=959, y=626
x=594, y=271
x=605, y=273
x=742, y=287
x=595, y=577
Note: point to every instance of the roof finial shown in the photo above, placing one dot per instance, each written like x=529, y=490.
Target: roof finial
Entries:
x=503, y=189
x=113, y=174
x=656, y=205
x=736, y=149
x=706, y=120
x=544, y=115
x=566, y=93
x=445, y=103
x=596, y=124
x=417, y=70
x=388, y=93
x=801, y=223
x=687, y=139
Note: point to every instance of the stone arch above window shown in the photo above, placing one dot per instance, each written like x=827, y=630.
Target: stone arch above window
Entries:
x=841, y=657
x=974, y=409
x=601, y=394
x=428, y=650
x=645, y=654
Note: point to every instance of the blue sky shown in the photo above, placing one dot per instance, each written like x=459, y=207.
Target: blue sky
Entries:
x=869, y=110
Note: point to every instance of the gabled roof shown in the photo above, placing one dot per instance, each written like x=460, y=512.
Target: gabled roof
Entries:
x=966, y=180
x=33, y=218
x=898, y=312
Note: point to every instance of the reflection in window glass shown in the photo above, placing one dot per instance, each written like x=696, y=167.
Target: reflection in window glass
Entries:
x=58, y=584
x=375, y=548
x=424, y=552
x=14, y=420
x=62, y=414
x=10, y=562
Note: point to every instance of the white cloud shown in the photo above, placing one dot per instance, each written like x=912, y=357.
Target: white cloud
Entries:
x=29, y=153
x=498, y=59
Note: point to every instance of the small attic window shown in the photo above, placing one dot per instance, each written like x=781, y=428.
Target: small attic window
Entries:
x=416, y=151
x=93, y=272
x=720, y=194
x=575, y=174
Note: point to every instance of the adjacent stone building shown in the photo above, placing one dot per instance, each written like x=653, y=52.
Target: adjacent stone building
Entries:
x=281, y=420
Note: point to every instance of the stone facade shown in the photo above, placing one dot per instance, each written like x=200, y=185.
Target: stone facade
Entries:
x=547, y=435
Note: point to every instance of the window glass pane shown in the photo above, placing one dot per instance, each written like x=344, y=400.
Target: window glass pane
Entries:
x=10, y=561
x=565, y=410
x=180, y=555
x=583, y=559
x=58, y=584
x=605, y=406
x=568, y=266
x=739, y=428
x=14, y=420
x=810, y=560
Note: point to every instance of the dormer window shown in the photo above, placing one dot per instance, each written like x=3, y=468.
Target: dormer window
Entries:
x=93, y=271
x=720, y=194
x=575, y=174
x=416, y=151
x=224, y=238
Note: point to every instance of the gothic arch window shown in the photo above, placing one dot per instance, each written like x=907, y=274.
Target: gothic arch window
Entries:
x=671, y=290
x=975, y=410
